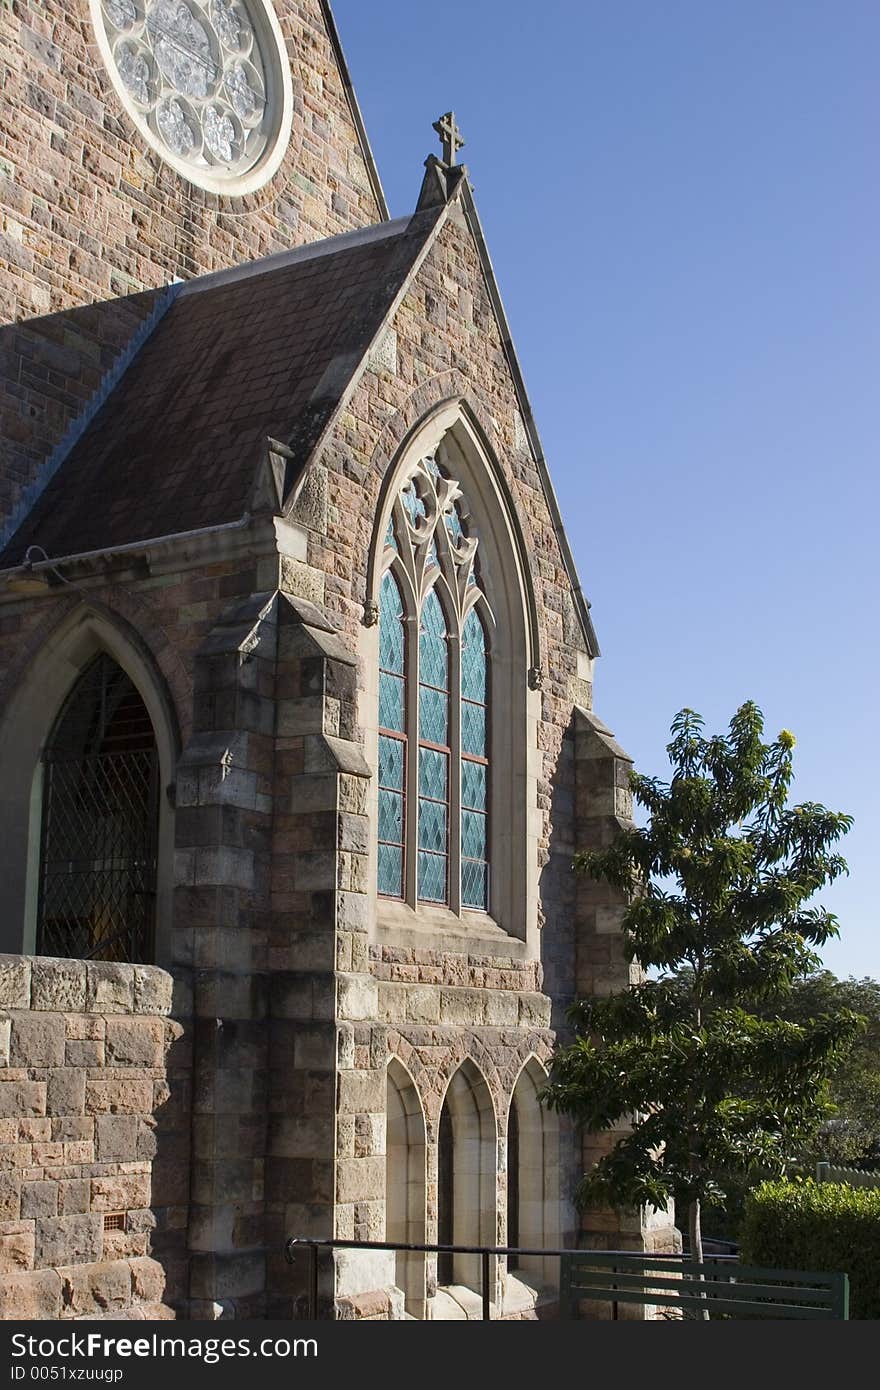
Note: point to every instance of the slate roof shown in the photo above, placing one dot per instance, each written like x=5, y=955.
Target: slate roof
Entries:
x=265, y=350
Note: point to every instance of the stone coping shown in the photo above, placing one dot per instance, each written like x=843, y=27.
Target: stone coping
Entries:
x=45, y=984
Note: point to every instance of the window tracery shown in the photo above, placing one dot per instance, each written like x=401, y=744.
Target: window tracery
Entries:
x=433, y=699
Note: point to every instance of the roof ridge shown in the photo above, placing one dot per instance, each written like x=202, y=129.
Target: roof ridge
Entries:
x=295, y=255
x=81, y=422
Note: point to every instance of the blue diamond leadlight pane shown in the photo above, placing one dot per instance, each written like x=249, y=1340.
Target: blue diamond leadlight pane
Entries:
x=432, y=826
x=433, y=716
x=390, y=539
x=391, y=817
x=473, y=785
x=473, y=660
x=473, y=729
x=433, y=652
x=473, y=835
x=430, y=466
x=432, y=877
x=391, y=707
x=474, y=883
x=390, y=876
x=391, y=763
x=433, y=774
x=391, y=626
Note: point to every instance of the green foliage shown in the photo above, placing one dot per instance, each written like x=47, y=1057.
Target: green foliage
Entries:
x=817, y=1226
x=718, y=885
x=851, y=1133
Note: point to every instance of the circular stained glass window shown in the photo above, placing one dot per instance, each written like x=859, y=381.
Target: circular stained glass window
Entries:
x=207, y=82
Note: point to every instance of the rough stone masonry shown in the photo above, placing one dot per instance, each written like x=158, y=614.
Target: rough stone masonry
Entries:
x=82, y=1072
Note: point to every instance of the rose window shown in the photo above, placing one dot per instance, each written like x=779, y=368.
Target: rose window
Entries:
x=207, y=81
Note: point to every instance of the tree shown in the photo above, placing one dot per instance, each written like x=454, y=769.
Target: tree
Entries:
x=717, y=884
x=850, y=1134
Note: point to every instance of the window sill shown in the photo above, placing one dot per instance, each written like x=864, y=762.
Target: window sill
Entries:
x=438, y=929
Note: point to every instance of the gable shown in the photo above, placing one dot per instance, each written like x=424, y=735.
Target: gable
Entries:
x=96, y=204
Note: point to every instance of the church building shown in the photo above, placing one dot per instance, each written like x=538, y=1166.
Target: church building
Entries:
x=296, y=708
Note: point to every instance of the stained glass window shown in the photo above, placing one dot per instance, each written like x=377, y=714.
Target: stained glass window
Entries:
x=392, y=740
x=474, y=766
x=428, y=532
x=433, y=869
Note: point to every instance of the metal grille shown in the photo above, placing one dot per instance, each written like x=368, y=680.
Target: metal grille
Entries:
x=100, y=822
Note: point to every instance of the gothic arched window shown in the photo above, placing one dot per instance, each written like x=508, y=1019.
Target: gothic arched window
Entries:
x=98, y=853
x=433, y=700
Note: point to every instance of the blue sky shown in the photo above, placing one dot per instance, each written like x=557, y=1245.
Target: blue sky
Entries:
x=682, y=207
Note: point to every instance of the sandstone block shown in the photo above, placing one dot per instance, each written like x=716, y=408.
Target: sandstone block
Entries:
x=135, y=1042
x=147, y=1280
x=422, y=1004
x=127, y=1096
x=68, y=1240
x=58, y=985
x=15, y=982
x=20, y=1098
x=116, y=1138
x=5, y=1039
x=84, y=1054
x=10, y=1197
x=31, y=1296
x=462, y=1006
x=109, y=988
x=37, y=1040
x=120, y=1193
x=66, y=1093
x=103, y=1288
x=17, y=1252
x=534, y=1010
x=357, y=997
x=39, y=1199
x=74, y=1196
x=502, y=1009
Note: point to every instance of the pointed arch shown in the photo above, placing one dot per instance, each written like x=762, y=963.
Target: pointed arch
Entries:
x=466, y=1187
x=455, y=424
x=446, y=520
x=25, y=727
x=533, y=1205
x=405, y=1183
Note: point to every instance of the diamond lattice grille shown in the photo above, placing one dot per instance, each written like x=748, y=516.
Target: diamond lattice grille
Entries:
x=98, y=857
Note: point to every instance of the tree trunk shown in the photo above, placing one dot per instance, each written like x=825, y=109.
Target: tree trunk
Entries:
x=696, y=1236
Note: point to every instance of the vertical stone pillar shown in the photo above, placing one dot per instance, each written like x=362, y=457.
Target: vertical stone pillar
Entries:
x=320, y=989
x=603, y=807
x=222, y=915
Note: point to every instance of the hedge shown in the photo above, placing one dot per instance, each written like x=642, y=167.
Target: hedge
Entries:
x=817, y=1226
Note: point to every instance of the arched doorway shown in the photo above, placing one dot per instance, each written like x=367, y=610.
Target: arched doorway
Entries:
x=100, y=822
x=405, y=1184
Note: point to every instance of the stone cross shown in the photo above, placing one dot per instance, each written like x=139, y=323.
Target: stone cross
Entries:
x=450, y=136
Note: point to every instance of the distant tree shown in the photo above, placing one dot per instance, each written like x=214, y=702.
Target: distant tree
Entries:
x=718, y=883
x=851, y=1132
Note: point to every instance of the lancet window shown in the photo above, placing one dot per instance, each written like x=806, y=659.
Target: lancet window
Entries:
x=434, y=696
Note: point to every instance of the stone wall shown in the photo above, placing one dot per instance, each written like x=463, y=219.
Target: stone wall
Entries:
x=82, y=1072
x=90, y=211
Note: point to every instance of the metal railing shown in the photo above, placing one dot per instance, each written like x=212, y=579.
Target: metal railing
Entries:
x=486, y=1253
